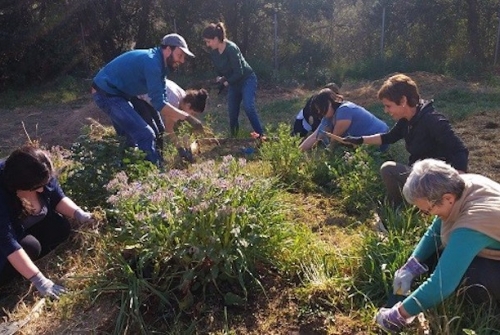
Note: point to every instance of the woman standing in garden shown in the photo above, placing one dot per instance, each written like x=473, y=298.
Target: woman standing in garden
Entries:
x=466, y=234
x=33, y=211
x=236, y=73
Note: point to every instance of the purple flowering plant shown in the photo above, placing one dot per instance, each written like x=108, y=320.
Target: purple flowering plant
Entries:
x=209, y=226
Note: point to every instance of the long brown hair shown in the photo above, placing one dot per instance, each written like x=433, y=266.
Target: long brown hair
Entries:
x=27, y=168
x=214, y=30
x=197, y=99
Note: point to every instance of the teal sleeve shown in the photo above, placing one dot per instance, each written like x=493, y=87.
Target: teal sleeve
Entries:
x=430, y=243
x=464, y=244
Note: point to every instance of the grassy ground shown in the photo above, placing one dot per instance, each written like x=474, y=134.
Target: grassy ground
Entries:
x=329, y=278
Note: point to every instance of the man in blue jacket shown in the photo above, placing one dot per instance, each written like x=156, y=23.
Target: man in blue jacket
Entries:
x=137, y=72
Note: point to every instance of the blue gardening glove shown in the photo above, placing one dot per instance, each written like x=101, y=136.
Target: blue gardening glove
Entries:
x=391, y=320
x=46, y=287
x=357, y=140
x=186, y=154
x=83, y=217
x=405, y=275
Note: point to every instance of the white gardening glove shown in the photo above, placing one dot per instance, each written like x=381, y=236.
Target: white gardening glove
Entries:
x=83, y=217
x=391, y=320
x=403, y=277
x=46, y=287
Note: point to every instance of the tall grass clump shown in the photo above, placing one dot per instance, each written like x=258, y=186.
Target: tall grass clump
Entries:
x=382, y=256
x=288, y=163
x=457, y=316
x=184, y=234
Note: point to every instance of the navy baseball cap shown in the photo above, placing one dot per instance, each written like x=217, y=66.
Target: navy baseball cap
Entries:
x=176, y=40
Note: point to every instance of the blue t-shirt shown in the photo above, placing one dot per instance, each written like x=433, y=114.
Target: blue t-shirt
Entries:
x=363, y=123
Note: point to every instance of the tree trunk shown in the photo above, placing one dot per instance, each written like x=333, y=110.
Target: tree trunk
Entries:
x=473, y=28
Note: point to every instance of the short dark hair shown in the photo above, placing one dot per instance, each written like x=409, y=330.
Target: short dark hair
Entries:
x=397, y=86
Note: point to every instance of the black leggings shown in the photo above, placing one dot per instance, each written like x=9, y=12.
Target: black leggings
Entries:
x=481, y=281
x=38, y=241
x=298, y=128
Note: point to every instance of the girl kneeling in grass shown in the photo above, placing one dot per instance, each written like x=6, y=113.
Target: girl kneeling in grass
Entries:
x=33, y=211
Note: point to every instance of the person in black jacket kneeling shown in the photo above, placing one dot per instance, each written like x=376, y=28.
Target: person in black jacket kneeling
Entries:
x=427, y=134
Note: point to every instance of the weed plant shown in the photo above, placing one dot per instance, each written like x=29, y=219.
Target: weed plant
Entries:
x=288, y=162
x=355, y=172
x=97, y=156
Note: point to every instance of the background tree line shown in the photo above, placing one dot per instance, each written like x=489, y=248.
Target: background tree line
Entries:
x=288, y=40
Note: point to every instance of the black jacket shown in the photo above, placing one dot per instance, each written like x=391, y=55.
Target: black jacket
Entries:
x=429, y=135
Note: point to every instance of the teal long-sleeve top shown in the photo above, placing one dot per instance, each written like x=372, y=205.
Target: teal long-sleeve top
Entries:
x=230, y=63
x=136, y=72
x=464, y=244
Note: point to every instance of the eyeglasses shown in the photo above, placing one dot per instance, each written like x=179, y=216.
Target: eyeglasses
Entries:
x=428, y=210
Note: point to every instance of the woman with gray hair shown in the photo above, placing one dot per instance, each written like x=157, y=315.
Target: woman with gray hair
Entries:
x=465, y=232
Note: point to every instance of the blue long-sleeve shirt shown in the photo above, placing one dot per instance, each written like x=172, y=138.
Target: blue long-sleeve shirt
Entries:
x=463, y=246
x=136, y=72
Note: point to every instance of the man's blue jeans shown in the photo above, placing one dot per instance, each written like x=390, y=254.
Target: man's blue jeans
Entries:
x=244, y=91
x=127, y=122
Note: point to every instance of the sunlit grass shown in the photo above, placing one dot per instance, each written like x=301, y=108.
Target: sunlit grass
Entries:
x=65, y=90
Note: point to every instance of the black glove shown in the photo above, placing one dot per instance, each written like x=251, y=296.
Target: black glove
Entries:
x=186, y=154
x=353, y=140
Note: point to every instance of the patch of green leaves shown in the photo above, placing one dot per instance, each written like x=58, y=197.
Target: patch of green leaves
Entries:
x=97, y=156
x=356, y=174
x=205, y=231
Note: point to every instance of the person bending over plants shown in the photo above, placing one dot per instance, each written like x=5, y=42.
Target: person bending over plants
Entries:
x=306, y=121
x=137, y=72
x=427, y=134
x=341, y=118
x=33, y=211
x=191, y=101
x=465, y=232
x=235, y=73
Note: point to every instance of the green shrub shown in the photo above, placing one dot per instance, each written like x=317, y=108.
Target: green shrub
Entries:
x=357, y=177
x=287, y=161
x=193, y=233
x=97, y=156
